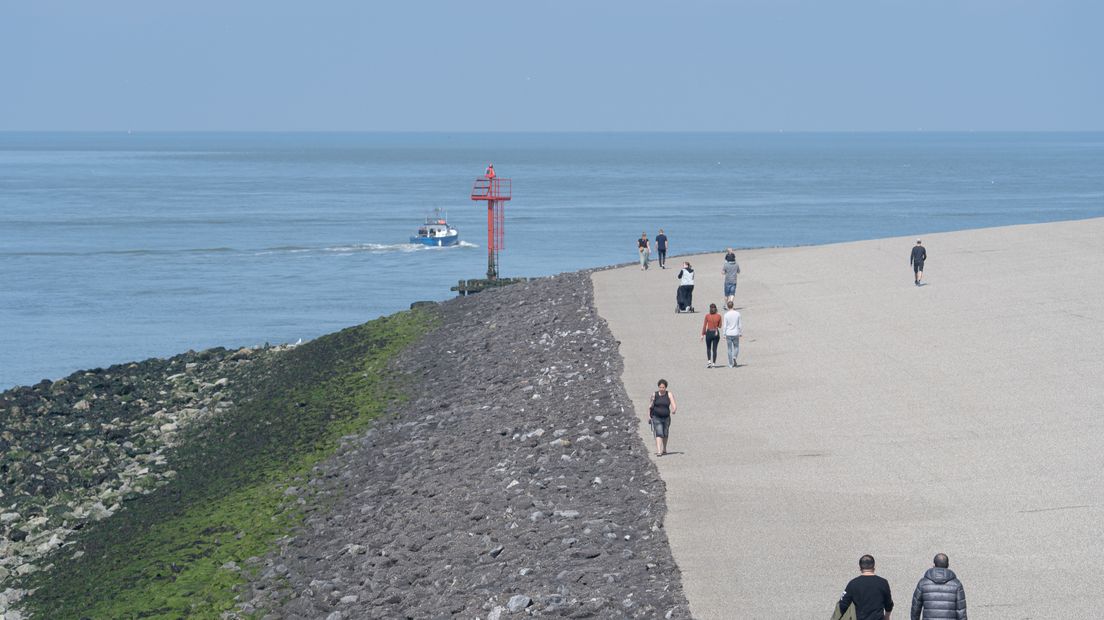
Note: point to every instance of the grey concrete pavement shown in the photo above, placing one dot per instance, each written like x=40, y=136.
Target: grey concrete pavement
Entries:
x=872, y=416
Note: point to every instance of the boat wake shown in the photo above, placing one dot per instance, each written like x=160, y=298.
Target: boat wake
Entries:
x=359, y=248
x=370, y=248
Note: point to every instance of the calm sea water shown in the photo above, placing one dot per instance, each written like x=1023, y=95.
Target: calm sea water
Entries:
x=116, y=247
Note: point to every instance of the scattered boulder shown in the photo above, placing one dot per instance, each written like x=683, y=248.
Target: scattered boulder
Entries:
x=518, y=603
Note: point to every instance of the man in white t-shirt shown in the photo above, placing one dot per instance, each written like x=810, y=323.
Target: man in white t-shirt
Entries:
x=732, y=331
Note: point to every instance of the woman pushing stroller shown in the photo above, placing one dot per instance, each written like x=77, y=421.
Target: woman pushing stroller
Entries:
x=684, y=297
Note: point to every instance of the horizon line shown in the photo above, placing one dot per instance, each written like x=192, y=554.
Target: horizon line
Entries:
x=548, y=131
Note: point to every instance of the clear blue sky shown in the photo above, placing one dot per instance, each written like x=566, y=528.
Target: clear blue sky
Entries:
x=543, y=65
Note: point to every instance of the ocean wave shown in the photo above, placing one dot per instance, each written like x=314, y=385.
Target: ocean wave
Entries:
x=356, y=248
x=126, y=252
x=371, y=248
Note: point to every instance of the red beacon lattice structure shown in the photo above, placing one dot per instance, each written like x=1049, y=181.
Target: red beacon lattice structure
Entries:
x=495, y=191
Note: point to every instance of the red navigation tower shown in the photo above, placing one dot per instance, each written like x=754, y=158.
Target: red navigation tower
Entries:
x=496, y=191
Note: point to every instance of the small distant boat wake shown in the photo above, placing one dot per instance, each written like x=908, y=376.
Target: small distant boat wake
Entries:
x=434, y=233
x=353, y=248
x=381, y=248
x=362, y=248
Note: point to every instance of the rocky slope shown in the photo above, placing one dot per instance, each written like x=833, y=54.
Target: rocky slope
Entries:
x=513, y=482
x=76, y=450
x=510, y=481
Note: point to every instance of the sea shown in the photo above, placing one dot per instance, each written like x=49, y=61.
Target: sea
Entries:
x=128, y=245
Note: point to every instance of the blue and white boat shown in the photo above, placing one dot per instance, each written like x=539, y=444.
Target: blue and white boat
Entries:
x=436, y=232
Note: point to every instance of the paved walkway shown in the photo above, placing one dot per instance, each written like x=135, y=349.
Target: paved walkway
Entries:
x=872, y=416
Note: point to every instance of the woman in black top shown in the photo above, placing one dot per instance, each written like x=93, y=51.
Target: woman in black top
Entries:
x=660, y=409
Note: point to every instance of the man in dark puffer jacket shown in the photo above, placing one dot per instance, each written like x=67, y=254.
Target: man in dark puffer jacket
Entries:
x=939, y=595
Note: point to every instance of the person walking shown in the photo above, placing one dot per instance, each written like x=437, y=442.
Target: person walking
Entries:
x=939, y=594
x=869, y=592
x=916, y=259
x=684, y=297
x=732, y=331
x=730, y=269
x=661, y=247
x=645, y=250
x=711, y=334
x=660, y=409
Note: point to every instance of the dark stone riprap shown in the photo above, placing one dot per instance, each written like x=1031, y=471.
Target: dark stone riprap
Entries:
x=513, y=481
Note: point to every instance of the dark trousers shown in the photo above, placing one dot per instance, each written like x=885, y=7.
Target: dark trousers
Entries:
x=663, y=257
x=711, y=343
x=685, y=296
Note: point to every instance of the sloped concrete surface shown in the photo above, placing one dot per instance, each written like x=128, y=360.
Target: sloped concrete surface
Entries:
x=869, y=415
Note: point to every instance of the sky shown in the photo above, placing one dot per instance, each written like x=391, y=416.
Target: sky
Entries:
x=552, y=65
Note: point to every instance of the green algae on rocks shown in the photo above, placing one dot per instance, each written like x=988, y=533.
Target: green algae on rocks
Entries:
x=181, y=549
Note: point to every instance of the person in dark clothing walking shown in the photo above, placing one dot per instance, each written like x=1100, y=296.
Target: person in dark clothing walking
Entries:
x=916, y=259
x=660, y=409
x=869, y=592
x=661, y=247
x=939, y=594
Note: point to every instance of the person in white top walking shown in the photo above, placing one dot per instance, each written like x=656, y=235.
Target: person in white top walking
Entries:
x=684, y=297
x=732, y=331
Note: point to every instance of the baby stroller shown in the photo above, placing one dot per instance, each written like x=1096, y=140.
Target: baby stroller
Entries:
x=684, y=298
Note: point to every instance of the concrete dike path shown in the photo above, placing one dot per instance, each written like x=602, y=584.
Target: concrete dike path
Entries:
x=869, y=415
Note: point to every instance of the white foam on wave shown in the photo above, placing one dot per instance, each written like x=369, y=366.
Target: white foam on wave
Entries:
x=284, y=249
x=371, y=248
x=380, y=248
x=375, y=248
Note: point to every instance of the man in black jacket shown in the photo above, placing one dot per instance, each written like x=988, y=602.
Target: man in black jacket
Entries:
x=916, y=259
x=939, y=595
x=869, y=592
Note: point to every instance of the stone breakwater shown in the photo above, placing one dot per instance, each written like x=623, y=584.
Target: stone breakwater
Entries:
x=76, y=450
x=512, y=482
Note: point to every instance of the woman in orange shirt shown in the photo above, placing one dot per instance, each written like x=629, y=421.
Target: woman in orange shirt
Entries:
x=711, y=334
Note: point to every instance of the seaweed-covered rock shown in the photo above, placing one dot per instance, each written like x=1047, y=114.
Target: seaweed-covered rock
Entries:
x=73, y=450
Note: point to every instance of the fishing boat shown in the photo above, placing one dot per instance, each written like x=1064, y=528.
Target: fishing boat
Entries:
x=436, y=232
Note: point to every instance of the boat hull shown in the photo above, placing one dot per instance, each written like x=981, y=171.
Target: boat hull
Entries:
x=439, y=242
